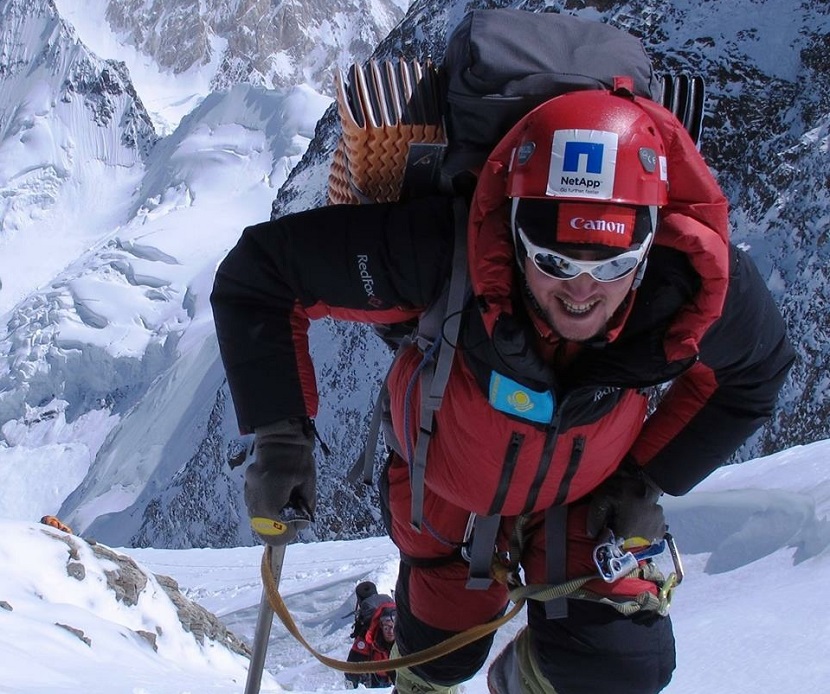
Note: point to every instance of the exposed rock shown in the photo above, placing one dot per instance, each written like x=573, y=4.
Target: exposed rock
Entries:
x=198, y=621
x=270, y=44
x=77, y=632
x=128, y=581
x=149, y=637
x=76, y=570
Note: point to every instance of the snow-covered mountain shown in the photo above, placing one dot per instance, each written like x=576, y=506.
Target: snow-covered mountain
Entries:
x=268, y=44
x=110, y=383
x=82, y=352
x=68, y=119
x=274, y=44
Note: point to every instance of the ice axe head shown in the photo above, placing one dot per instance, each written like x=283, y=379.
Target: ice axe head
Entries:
x=282, y=530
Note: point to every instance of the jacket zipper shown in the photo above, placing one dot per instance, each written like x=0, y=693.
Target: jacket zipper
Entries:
x=546, y=458
x=511, y=457
x=573, y=463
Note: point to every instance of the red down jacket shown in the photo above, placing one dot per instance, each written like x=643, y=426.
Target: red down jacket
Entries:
x=702, y=318
x=372, y=646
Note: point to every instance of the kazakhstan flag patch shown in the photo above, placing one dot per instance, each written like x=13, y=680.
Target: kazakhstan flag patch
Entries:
x=510, y=397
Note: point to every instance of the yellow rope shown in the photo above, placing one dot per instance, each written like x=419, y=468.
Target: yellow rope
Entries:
x=451, y=644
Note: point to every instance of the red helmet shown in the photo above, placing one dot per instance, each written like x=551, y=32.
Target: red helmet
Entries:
x=589, y=146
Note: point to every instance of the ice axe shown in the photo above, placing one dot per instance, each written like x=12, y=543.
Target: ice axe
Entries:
x=292, y=520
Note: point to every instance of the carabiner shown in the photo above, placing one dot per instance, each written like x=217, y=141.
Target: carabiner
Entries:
x=466, y=541
x=666, y=593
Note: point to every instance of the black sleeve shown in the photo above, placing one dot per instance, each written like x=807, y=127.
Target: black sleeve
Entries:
x=374, y=263
x=744, y=359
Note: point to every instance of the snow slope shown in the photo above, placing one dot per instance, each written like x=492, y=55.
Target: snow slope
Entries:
x=748, y=618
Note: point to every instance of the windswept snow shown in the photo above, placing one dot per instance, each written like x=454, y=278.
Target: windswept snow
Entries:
x=748, y=616
x=65, y=630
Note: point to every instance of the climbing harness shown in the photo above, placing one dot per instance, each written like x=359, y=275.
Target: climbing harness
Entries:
x=615, y=558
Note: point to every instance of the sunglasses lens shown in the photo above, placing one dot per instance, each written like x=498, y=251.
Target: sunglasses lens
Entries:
x=557, y=266
x=614, y=269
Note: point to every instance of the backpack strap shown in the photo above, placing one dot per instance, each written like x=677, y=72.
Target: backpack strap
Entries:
x=556, y=542
x=365, y=462
x=482, y=531
x=439, y=353
x=437, y=337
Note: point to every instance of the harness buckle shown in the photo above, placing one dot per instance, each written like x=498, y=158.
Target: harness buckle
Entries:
x=479, y=549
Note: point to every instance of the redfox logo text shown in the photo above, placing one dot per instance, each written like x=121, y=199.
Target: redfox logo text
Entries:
x=365, y=275
x=582, y=164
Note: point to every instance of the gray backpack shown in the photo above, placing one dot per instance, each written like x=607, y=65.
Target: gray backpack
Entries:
x=500, y=64
x=410, y=127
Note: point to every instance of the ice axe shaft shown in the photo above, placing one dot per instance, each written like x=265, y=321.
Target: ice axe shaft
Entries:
x=292, y=520
x=264, y=619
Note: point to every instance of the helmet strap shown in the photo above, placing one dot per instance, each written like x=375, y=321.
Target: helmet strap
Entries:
x=638, y=278
x=518, y=246
x=641, y=271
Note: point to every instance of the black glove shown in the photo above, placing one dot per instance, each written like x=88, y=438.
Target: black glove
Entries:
x=626, y=504
x=281, y=483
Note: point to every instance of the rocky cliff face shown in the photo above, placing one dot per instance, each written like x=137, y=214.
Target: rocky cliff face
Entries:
x=271, y=44
x=768, y=72
x=65, y=116
x=48, y=78
x=34, y=37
